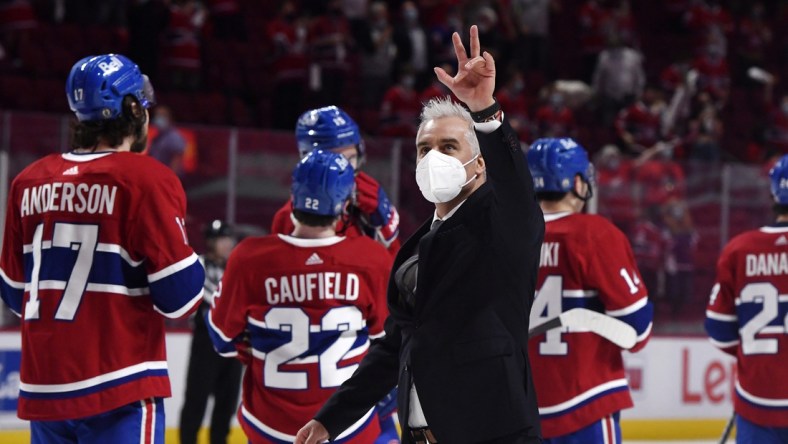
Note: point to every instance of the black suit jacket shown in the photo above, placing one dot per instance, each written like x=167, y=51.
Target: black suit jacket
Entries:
x=465, y=343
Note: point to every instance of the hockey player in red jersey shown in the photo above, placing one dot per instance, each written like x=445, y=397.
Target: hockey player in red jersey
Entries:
x=94, y=253
x=586, y=262
x=308, y=302
x=370, y=212
x=746, y=317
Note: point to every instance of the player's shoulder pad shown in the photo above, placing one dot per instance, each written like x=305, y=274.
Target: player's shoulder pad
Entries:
x=599, y=226
x=155, y=173
x=742, y=240
x=38, y=168
x=374, y=251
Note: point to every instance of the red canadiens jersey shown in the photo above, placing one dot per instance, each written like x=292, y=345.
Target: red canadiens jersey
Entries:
x=94, y=252
x=579, y=377
x=746, y=317
x=309, y=308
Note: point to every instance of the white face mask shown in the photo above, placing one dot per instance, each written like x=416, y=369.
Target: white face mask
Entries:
x=441, y=177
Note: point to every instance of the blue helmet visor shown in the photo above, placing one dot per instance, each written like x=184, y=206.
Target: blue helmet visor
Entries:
x=148, y=98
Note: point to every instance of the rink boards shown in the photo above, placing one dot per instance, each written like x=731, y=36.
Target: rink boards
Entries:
x=681, y=386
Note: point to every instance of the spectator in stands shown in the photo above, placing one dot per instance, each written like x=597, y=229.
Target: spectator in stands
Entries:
x=17, y=22
x=490, y=35
x=638, y=126
x=330, y=42
x=659, y=176
x=147, y=19
x=713, y=73
x=674, y=75
x=439, y=32
x=649, y=245
x=777, y=131
x=167, y=145
x=226, y=19
x=622, y=20
x=378, y=55
x=594, y=27
x=410, y=38
x=708, y=18
x=680, y=257
x=755, y=36
x=532, y=25
x=183, y=43
x=286, y=34
x=615, y=189
x=555, y=118
x=400, y=109
x=618, y=77
x=437, y=89
x=512, y=98
x=705, y=132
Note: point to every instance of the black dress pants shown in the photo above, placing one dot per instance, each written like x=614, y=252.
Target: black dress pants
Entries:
x=209, y=374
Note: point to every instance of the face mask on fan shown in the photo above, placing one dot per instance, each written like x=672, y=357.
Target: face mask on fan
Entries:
x=441, y=177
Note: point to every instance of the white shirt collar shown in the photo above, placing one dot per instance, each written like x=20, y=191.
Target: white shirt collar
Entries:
x=549, y=217
x=448, y=215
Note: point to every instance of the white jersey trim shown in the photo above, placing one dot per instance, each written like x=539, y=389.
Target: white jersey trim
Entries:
x=721, y=316
x=144, y=420
x=117, y=249
x=549, y=217
x=174, y=268
x=566, y=405
x=579, y=293
x=322, y=242
x=720, y=344
x=183, y=310
x=11, y=283
x=378, y=335
x=291, y=438
x=645, y=334
x=630, y=309
x=97, y=288
x=314, y=359
x=766, y=402
x=216, y=329
x=94, y=381
x=773, y=230
x=74, y=157
x=101, y=246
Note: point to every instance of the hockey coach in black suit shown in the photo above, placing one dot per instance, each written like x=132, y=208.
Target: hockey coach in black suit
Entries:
x=461, y=287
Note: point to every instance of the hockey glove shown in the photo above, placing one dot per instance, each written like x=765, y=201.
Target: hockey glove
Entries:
x=376, y=209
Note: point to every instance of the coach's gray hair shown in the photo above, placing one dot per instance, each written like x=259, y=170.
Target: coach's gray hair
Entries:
x=444, y=107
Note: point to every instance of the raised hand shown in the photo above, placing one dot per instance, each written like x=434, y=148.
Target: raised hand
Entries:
x=474, y=82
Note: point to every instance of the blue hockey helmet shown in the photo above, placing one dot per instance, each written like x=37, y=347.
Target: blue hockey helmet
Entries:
x=97, y=85
x=327, y=128
x=779, y=178
x=322, y=183
x=554, y=162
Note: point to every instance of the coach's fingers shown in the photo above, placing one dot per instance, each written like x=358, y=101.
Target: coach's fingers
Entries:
x=481, y=66
x=444, y=77
x=475, y=46
x=489, y=61
x=459, y=49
